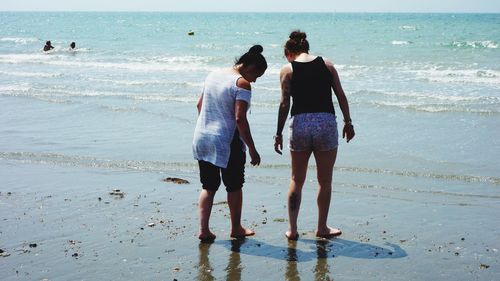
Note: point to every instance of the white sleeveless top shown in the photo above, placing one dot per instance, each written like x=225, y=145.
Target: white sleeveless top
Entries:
x=216, y=122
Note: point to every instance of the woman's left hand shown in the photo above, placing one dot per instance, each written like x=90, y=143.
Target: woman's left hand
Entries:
x=348, y=132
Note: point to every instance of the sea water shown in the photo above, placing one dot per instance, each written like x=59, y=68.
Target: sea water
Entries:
x=423, y=89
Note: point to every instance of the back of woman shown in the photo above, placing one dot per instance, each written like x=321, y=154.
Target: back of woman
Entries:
x=308, y=81
x=311, y=87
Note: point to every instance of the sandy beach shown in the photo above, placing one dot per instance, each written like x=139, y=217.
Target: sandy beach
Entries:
x=62, y=223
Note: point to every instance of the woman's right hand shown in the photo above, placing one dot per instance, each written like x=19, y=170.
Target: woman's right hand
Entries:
x=278, y=144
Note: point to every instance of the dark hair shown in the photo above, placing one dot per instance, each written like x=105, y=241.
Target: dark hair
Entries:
x=253, y=57
x=297, y=43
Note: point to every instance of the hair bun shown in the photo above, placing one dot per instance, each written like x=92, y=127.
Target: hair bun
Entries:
x=298, y=35
x=256, y=49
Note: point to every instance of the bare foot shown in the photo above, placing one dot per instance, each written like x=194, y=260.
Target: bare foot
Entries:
x=328, y=233
x=206, y=237
x=242, y=232
x=292, y=237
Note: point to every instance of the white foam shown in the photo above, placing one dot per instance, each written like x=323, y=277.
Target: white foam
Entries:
x=435, y=107
x=165, y=98
x=20, y=40
x=14, y=88
x=30, y=74
x=408, y=27
x=178, y=64
x=148, y=82
x=480, y=76
x=208, y=46
x=23, y=58
x=430, y=102
x=68, y=95
x=399, y=42
x=476, y=44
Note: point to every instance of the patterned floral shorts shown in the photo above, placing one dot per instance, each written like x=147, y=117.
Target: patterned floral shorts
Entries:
x=313, y=132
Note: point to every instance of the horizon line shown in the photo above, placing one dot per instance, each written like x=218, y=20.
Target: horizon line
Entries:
x=247, y=12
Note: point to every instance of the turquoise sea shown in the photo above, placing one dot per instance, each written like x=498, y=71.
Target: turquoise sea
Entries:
x=424, y=94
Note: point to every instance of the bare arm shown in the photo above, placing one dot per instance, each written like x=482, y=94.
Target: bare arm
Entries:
x=284, y=108
x=348, y=131
x=244, y=130
x=241, y=108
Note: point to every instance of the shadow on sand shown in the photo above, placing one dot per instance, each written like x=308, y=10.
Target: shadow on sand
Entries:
x=320, y=251
x=320, y=248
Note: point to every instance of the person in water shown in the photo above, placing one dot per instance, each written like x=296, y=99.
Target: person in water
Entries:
x=48, y=46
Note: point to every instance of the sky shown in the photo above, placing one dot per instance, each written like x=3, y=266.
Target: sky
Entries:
x=439, y=6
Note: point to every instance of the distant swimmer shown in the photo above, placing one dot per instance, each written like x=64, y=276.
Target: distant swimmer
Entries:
x=48, y=46
x=72, y=46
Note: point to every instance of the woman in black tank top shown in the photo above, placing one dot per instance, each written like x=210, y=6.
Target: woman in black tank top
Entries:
x=308, y=82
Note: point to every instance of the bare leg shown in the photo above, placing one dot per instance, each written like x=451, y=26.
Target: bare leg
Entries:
x=235, y=201
x=300, y=160
x=205, y=203
x=325, y=160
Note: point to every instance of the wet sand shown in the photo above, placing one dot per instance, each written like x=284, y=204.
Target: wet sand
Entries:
x=62, y=223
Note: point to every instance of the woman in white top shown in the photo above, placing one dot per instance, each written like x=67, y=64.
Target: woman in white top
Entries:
x=220, y=136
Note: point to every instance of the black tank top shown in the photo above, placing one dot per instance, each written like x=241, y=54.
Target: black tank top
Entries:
x=311, y=87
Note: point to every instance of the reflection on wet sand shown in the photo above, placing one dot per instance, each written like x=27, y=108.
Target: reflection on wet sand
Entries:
x=204, y=267
x=233, y=268
x=321, y=269
x=291, y=273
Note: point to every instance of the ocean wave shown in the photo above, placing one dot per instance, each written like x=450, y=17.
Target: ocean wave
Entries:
x=177, y=64
x=437, y=97
x=480, y=76
x=400, y=42
x=485, y=44
x=136, y=109
x=353, y=70
x=92, y=162
x=408, y=27
x=20, y=40
x=21, y=88
x=210, y=46
x=163, y=98
x=429, y=102
x=402, y=173
x=136, y=67
x=418, y=101
x=148, y=82
x=30, y=74
x=23, y=58
x=172, y=59
x=62, y=95
x=435, y=108
x=415, y=190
